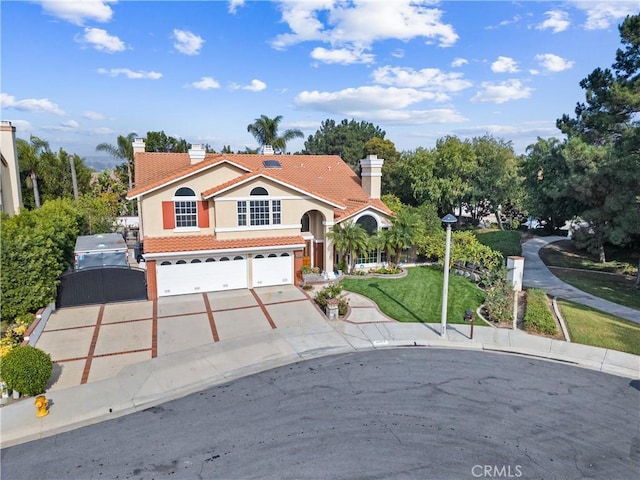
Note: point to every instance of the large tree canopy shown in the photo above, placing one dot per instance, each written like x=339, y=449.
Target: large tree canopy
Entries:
x=347, y=139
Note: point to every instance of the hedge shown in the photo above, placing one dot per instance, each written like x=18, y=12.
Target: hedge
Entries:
x=538, y=318
x=26, y=369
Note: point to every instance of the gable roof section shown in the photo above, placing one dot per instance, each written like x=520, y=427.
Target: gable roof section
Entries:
x=242, y=179
x=326, y=177
x=208, y=243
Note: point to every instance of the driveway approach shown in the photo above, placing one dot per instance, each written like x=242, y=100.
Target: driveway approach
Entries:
x=396, y=413
x=95, y=342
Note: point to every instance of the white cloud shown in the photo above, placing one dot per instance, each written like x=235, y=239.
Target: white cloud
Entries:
x=93, y=115
x=351, y=100
x=502, y=92
x=504, y=65
x=362, y=23
x=77, y=12
x=458, y=62
x=343, y=56
x=602, y=14
x=70, y=124
x=234, y=5
x=533, y=129
x=141, y=74
x=255, y=86
x=413, y=117
x=553, y=63
x=101, y=40
x=558, y=21
x=504, y=23
x=38, y=105
x=205, y=83
x=431, y=79
x=187, y=42
x=398, y=53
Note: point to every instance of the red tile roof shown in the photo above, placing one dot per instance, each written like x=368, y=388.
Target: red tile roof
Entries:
x=324, y=176
x=195, y=243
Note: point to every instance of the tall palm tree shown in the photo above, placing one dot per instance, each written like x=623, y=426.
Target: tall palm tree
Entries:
x=265, y=131
x=31, y=155
x=123, y=150
x=406, y=229
x=349, y=238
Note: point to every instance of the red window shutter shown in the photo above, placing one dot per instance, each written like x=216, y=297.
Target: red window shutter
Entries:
x=203, y=214
x=168, y=215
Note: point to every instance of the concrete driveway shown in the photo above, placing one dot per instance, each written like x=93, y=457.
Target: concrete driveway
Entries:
x=94, y=342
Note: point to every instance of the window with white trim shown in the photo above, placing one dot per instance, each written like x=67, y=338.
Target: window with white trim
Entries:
x=368, y=257
x=260, y=211
x=185, y=207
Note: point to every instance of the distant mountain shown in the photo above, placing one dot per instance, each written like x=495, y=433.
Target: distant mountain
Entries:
x=100, y=163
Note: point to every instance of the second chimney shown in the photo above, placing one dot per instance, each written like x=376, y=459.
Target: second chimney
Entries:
x=197, y=153
x=372, y=175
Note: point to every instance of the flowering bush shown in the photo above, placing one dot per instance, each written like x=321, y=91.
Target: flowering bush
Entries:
x=12, y=338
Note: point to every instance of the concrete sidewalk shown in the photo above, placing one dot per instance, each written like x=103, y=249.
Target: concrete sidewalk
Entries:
x=536, y=274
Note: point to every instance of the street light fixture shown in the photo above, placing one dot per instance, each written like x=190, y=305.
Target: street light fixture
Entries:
x=448, y=220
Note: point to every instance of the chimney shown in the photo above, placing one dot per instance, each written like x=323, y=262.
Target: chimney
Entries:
x=372, y=175
x=267, y=150
x=197, y=153
x=138, y=145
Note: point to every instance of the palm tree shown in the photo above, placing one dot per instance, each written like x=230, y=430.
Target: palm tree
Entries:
x=349, y=238
x=265, y=131
x=406, y=229
x=122, y=151
x=31, y=155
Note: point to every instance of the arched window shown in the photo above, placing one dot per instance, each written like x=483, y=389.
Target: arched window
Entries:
x=180, y=262
x=224, y=259
x=185, y=205
x=195, y=260
x=369, y=224
x=165, y=263
x=259, y=256
x=272, y=255
x=210, y=260
x=285, y=254
x=238, y=257
x=259, y=191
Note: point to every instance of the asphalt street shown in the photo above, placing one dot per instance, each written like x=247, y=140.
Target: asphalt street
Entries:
x=397, y=413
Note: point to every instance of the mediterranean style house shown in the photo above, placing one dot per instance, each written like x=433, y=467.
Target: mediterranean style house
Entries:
x=211, y=222
x=10, y=191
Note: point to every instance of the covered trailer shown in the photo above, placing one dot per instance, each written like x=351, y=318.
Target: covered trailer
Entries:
x=102, y=250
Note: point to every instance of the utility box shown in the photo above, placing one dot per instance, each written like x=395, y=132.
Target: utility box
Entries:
x=515, y=272
x=102, y=250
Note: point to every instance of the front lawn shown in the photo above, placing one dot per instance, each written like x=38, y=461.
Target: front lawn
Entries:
x=418, y=296
x=506, y=242
x=599, y=329
x=565, y=254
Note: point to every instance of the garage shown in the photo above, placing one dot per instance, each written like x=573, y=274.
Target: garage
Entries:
x=272, y=269
x=179, y=277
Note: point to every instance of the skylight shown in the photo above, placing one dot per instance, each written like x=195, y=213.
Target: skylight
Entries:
x=271, y=164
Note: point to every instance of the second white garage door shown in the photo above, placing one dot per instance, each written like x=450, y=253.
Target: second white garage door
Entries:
x=272, y=269
x=206, y=275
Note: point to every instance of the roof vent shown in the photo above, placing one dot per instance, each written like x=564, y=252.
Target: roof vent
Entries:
x=271, y=164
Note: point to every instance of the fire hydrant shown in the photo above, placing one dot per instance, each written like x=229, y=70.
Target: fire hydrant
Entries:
x=41, y=403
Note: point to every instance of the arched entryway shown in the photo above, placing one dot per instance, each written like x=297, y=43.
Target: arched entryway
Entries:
x=312, y=227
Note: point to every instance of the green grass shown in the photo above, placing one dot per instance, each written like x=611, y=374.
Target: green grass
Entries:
x=418, y=296
x=565, y=254
x=505, y=241
x=619, y=289
x=538, y=318
x=599, y=329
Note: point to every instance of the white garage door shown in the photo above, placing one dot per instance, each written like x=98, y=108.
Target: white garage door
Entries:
x=272, y=269
x=201, y=275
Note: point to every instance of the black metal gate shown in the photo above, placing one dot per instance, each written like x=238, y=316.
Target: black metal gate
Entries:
x=101, y=285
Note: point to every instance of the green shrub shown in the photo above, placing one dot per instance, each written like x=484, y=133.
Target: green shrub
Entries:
x=332, y=291
x=498, y=301
x=305, y=269
x=538, y=318
x=27, y=369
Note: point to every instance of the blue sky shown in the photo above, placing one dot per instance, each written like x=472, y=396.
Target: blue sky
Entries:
x=78, y=73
